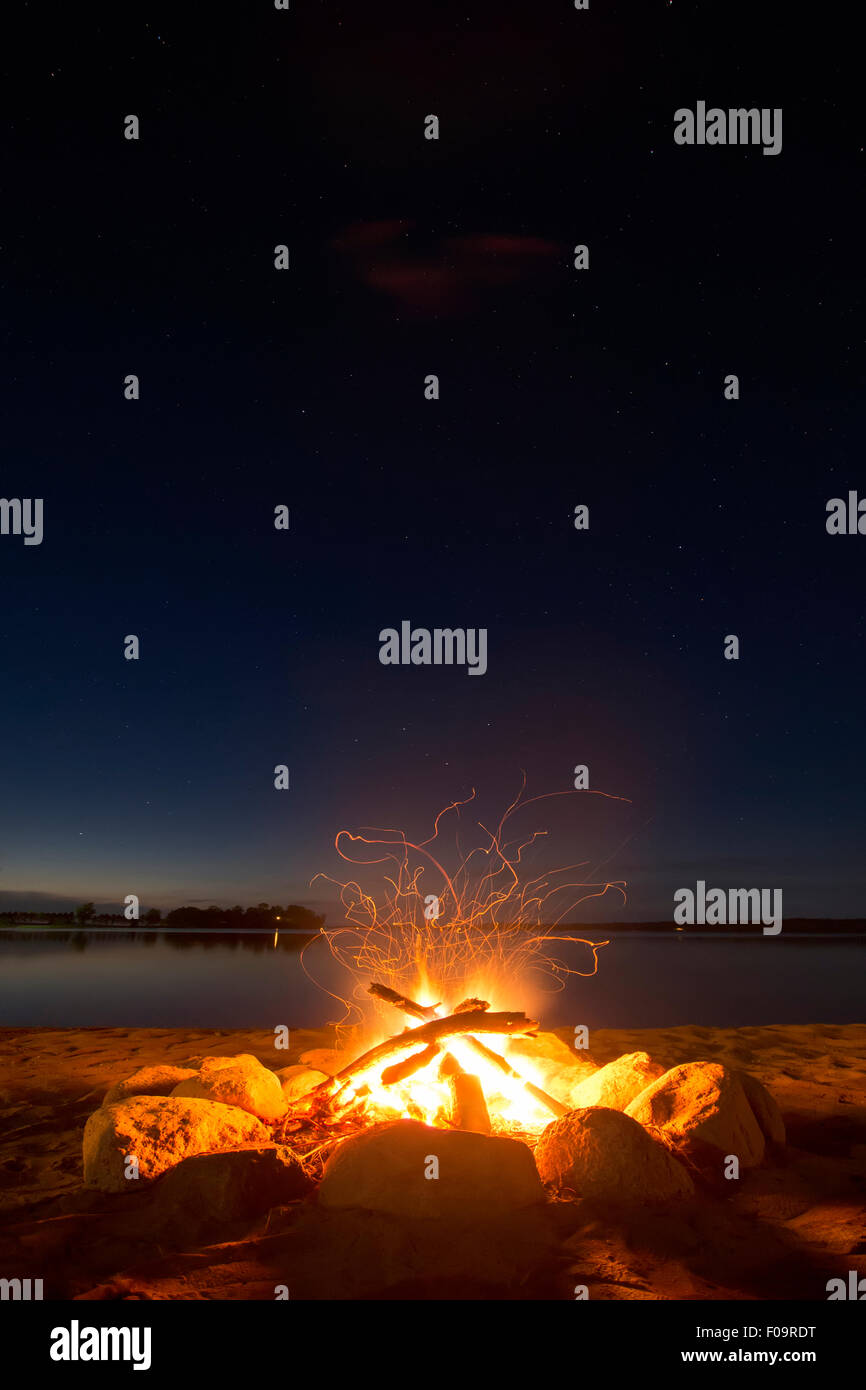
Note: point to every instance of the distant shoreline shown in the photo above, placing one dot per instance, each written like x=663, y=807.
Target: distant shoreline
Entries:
x=815, y=927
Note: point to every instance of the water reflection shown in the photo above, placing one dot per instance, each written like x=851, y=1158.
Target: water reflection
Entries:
x=177, y=940
x=128, y=977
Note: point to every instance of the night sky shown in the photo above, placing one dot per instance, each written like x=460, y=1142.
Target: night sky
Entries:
x=306, y=388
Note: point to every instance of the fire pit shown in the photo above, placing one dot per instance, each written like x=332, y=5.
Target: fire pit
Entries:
x=440, y=1073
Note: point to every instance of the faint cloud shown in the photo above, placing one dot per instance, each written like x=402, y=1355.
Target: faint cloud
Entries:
x=446, y=277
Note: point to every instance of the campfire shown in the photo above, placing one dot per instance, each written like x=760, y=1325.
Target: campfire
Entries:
x=441, y=1073
x=455, y=1064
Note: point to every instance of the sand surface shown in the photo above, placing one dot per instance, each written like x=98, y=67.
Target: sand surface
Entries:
x=781, y=1231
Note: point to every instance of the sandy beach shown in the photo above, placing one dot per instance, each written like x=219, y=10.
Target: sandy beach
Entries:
x=781, y=1231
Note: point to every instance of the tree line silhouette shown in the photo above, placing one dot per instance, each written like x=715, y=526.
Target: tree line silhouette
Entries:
x=262, y=917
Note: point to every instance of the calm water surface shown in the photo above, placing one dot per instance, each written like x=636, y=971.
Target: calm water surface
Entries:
x=158, y=979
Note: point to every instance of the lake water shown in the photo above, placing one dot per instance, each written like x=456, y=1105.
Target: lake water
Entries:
x=157, y=979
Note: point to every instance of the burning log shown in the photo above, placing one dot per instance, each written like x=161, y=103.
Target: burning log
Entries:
x=401, y=1071
x=423, y=1011
x=406, y=1006
x=448, y=1027
x=468, y=1105
x=437, y=1028
x=469, y=1108
x=409, y=1006
x=554, y=1106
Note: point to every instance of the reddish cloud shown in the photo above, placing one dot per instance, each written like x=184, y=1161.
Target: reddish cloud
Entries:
x=447, y=278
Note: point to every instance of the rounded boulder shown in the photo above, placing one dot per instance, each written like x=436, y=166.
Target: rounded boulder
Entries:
x=702, y=1108
x=159, y=1131
x=241, y=1081
x=149, y=1081
x=405, y=1168
x=602, y=1153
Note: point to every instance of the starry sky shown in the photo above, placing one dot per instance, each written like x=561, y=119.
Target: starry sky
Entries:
x=306, y=388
